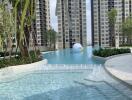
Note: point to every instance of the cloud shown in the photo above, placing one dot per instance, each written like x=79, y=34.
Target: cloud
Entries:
x=54, y=23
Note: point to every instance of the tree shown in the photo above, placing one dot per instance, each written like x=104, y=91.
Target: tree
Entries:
x=1, y=36
x=127, y=29
x=23, y=10
x=7, y=27
x=51, y=38
x=112, y=21
x=1, y=29
x=22, y=18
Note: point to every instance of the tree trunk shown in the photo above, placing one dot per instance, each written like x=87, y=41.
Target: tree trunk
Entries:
x=5, y=52
x=23, y=49
x=16, y=51
x=34, y=44
x=10, y=46
x=112, y=36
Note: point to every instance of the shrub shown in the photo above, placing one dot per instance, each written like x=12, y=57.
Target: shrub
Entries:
x=2, y=54
x=110, y=52
x=19, y=60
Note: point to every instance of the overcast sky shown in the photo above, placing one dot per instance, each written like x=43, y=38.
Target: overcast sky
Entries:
x=54, y=18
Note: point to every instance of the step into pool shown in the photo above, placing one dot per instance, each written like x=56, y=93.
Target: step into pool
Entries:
x=95, y=84
x=69, y=76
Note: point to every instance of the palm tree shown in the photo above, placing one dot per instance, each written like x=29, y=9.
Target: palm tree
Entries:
x=21, y=11
x=22, y=18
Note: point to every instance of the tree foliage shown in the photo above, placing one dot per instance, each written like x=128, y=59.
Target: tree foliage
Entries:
x=7, y=25
x=51, y=38
x=19, y=22
x=23, y=11
x=127, y=29
x=112, y=14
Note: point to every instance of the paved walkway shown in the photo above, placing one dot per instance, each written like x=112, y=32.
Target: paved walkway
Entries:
x=121, y=67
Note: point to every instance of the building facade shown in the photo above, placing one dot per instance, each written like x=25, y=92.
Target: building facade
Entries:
x=42, y=21
x=101, y=34
x=71, y=16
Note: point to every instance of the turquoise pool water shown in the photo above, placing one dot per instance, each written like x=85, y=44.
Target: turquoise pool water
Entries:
x=67, y=56
x=84, y=85
x=92, y=83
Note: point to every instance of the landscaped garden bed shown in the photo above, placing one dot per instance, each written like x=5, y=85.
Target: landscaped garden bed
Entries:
x=17, y=59
x=110, y=52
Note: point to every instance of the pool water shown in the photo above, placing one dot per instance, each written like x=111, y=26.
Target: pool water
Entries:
x=83, y=85
x=92, y=83
x=67, y=56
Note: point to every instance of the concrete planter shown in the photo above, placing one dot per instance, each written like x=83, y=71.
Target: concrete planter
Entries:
x=110, y=57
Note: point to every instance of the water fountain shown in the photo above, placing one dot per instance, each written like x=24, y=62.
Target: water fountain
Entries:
x=77, y=47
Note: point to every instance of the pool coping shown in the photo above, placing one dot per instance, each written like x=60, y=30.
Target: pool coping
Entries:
x=47, y=52
x=118, y=74
x=118, y=79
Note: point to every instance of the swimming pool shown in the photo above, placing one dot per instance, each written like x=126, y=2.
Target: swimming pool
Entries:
x=62, y=83
x=93, y=84
x=67, y=56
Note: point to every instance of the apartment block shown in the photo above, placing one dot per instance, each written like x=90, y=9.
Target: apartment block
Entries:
x=101, y=34
x=42, y=21
x=71, y=16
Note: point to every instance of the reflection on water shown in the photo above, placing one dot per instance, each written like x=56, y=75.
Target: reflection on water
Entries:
x=67, y=56
x=92, y=83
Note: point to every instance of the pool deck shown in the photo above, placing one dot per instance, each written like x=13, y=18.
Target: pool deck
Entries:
x=121, y=68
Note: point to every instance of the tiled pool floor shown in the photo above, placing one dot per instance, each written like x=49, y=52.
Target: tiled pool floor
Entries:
x=95, y=84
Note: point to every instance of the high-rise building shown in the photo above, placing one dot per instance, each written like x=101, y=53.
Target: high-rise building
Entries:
x=101, y=31
x=71, y=23
x=42, y=21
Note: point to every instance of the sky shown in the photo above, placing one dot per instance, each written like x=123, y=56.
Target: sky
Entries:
x=54, y=23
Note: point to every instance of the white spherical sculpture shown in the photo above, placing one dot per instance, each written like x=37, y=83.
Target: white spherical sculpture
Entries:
x=77, y=47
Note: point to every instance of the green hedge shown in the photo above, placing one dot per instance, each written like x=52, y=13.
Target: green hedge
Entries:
x=2, y=54
x=110, y=52
x=19, y=60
